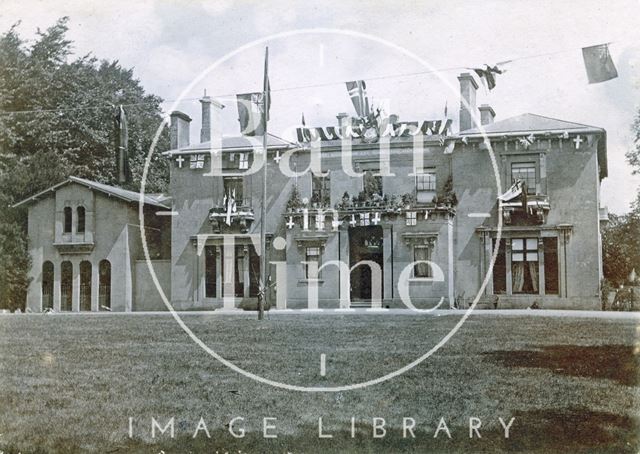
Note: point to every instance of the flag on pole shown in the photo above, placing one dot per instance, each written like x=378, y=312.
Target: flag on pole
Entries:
x=514, y=191
x=122, y=146
x=266, y=89
x=357, y=90
x=598, y=63
x=230, y=202
x=250, y=114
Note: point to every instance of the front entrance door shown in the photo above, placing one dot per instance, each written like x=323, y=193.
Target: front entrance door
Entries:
x=365, y=243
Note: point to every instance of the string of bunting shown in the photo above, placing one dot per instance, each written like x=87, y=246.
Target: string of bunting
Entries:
x=598, y=63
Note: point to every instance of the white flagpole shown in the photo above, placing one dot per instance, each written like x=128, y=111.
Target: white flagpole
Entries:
x=262, y=294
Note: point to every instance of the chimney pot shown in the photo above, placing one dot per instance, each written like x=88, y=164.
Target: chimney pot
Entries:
x=468, y=87
x=487, y=114
x=179, y=130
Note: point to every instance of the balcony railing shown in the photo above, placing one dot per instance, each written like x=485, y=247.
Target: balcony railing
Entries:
x=537, y=207
x=222, y=218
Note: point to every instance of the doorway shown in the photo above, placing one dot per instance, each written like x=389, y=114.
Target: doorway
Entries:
x=365, y=243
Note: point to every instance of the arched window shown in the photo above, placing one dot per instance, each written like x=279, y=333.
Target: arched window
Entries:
x=104, y=291
x=47, y=285
x=81, y=220
x=66, y=279
x=67, y=219
x=85, y=285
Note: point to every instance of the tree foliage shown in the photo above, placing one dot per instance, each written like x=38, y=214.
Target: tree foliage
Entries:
x=621, y=245
x=56, y=120
x=633, y=155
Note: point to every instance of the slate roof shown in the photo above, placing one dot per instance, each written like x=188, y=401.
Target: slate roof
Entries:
x=233, y=143
x=156, y=200
x=528, y=123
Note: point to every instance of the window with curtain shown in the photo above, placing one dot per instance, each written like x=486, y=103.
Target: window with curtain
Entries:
x=525, y=171
x=524, y=265
x=422, y=253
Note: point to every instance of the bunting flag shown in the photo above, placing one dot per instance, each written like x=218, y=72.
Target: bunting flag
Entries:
x=122, y=146
x=598, y=63
x=487, y=75
x=357, y=90
x=527, y=141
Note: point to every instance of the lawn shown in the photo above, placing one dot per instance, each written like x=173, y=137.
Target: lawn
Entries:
x=70, y=383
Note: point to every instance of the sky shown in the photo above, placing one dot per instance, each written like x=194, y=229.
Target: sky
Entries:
x=170, y=44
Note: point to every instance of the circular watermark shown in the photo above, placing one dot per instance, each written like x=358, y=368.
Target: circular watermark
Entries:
x=219, y=357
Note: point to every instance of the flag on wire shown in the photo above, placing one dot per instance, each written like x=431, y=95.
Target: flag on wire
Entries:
x=487, y=75
x=122, y=146
x=598, y=63
x=357, y=90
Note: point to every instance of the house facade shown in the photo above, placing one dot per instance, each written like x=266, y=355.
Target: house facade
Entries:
x=408, y=214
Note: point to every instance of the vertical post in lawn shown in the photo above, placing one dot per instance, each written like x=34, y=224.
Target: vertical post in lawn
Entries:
x=262, y=294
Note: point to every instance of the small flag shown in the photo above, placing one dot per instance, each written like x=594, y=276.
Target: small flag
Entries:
x=304, y=123
x=598, y=63
x=122, y=146
x=486, y=74
x=357, y=90
x=446, y=110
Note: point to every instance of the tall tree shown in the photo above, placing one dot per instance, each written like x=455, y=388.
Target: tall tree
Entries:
x=56, y=120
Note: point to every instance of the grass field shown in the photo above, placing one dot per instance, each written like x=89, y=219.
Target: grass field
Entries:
x=70, y=383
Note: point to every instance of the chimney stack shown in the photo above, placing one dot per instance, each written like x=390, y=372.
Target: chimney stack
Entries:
x=179, y=130
x=487, y=114
x=208, y=121
x=468, y=87
x=343, y=120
